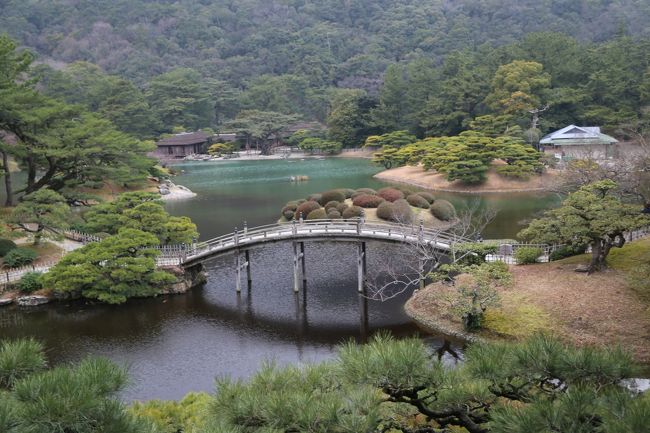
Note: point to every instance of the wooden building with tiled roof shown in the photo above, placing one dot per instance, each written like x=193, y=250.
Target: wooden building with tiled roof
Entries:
x=182, y=145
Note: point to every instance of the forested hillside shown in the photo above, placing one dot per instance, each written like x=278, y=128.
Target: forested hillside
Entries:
x=198, y=63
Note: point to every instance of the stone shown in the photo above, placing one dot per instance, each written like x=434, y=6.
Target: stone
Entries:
x=5, y=301
x=32, y=300
x=164, y=191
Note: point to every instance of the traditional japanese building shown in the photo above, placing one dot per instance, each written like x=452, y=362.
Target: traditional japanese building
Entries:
x=182, y=145
x=580, y=142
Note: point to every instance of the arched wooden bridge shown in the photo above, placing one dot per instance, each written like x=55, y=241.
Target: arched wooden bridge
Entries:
x=298, y=232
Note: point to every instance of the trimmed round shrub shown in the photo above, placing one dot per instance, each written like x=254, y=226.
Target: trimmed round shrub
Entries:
x=341, y=208
x=315, y=197
x=305, y=209
x=390, y=194
x=300, y=201
x=333, y=214
x=427, y=196
x=6, y=245
x=347, y=192
x=30, y=282
x=288, y=214
x=290, y=208
x=331, y=204
x=385, y=211
x=318, y=214
x=527, y=255
x=399, y=211
x=367, y=201
x=293, y=203
x=332, y=195
x=19, y=257
x=443, y=210
x=363, y=191
x=352, y=212
x=418, y=201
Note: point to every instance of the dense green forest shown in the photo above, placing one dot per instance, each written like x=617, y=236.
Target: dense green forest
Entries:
x=363, y=67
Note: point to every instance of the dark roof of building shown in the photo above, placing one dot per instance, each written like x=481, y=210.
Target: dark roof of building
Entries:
x=183, y=139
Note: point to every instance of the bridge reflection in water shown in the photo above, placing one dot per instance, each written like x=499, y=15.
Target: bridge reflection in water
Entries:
x=240, y=243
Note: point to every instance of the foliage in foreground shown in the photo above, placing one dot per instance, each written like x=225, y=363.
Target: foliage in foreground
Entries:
x=113, y=270
x=80, y=398
x=538, y=385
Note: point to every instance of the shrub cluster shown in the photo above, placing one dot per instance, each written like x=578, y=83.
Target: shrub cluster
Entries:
x=331, y=204
x=347, y=192
x=314, y=197
x=390, y=194
x=399, y=211
x=6, y=245
x=418, y=201
x=317, y=214
x=352, y=212
x=527, y=255
x=443, y=210
x=567, y=251
x=30, y=282
x=289, y=210
x=363, y=191
x=333, y=195
x=306, y=208
x=367, y=201
x=427, y=196
x=19, y=257
x=333, y=214
x=341, y=208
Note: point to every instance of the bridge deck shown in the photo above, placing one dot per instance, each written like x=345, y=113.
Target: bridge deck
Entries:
x=321, y=230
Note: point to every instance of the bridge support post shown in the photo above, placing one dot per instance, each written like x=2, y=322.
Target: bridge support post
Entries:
x=302, y=262
x=421, y=273
x=238, y=271
x=248, y=267
x=361, y=267
x=298, y=264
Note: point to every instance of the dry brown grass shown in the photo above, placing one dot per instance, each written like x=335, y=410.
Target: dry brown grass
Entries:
x=600, y=309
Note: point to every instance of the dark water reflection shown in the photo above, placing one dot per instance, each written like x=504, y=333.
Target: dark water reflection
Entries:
x=173, y=345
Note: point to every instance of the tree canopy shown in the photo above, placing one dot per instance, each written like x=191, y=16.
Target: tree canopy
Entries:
x=593, y=215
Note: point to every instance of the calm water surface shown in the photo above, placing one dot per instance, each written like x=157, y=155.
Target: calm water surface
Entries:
x=173, y=345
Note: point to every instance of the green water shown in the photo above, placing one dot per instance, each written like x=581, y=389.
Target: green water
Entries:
x=231, y=192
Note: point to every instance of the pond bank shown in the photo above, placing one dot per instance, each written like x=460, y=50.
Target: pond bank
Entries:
x=601, y=309
x=495, y=184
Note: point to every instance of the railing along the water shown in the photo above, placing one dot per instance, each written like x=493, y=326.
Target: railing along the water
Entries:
x=177, y=255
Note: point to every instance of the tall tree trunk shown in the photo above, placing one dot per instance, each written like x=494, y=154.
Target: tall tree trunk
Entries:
x=8, y=188
x=597, y=257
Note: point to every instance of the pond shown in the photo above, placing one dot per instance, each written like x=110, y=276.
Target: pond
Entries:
x=230, y=192
x=173, y=345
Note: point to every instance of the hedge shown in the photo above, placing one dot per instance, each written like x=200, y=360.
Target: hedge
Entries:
x=317, y=214
x=567, y=251
x=367, y=201
x=352, y=212
x=30, y=282
x=399, y=211
x=527, y=255
x=333, y=214
x=331, y=204
x=443, y=210
x=390, y=194
x=347, y=192
x=341, y=208
x=333, y=195
x=314, y=197
x=427, y=196
x=306, y=208
x=418, y=201
x=19, y=257
x=6, y=245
